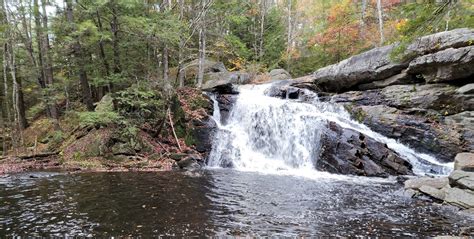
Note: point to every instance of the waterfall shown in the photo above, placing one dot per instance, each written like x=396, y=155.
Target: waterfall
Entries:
x=272, y=135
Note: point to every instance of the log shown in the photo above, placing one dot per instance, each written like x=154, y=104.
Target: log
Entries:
x=32, y=156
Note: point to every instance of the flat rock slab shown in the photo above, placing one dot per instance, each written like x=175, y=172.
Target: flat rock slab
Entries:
x=459, y=197
x=466, y=89
x=442, y=40
x=417, y=183
x=464, y=161
x=462, y=179
x=433, y=192
x=367, y=67
x=446, y=65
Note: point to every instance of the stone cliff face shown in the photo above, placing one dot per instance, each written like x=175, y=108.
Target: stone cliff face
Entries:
x=426, y=101
x=441, y=57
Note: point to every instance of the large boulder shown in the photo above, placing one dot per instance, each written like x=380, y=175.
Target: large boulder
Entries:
x=346, y=151
x=372, y=65
x=464, y=123
x=223, y=82
x=446, y=65
x=279, y=74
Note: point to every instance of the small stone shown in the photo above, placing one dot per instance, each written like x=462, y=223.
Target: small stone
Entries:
x=189, y=163
x=464, y=161
x=436, y=183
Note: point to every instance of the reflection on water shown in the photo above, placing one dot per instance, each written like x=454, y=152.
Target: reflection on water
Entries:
x=216, y=202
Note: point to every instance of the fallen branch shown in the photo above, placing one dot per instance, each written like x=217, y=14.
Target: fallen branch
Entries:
x=172, y=128
x=35, y=156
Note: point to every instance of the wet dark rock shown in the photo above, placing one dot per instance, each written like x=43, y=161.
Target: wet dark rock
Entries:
x=464, y=123
x=430, y=118
x=190, y=162
x=226, y=102
x=346, y=151
x=283, y=92
x=422, y=133
x=202, y=133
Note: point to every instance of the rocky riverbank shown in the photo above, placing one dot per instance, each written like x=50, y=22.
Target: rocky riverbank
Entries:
x=457, y=189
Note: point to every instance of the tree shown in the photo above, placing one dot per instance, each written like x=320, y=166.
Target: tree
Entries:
x=380, y=17
x=79, y=56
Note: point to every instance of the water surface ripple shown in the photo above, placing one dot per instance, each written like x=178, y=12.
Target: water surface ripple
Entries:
x=214, y=202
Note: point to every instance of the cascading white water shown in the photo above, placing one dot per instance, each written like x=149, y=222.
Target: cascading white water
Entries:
x=272, y=135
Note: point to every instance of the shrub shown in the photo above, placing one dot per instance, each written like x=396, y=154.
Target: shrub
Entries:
x=98, y=119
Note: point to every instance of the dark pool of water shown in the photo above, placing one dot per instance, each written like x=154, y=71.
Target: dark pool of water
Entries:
x=213, y=202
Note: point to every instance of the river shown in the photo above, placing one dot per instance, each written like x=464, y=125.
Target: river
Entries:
x=215, y=202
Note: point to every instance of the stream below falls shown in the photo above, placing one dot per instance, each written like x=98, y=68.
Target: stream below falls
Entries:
x=215, y=202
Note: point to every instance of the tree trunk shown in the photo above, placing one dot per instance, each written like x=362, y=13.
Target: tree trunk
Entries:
x=48, y=62
x=180, y=63
x=362, y=19
x=202, y=45
x=105, y=63
x=380, y=17
x=101, y=47
x=80, y=61
x=19, y=103
x=263, y=12
x=115, y=40
x=4, y=133
x=166, y=81
x=46, y=72
x=289, y=36
x=29, y=47
x=181, y=48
